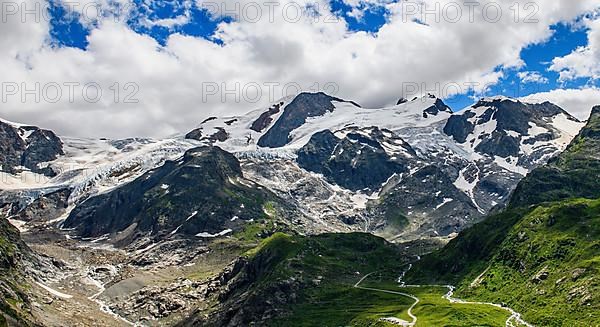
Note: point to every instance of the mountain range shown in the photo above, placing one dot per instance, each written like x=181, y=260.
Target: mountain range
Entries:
x=153, y=231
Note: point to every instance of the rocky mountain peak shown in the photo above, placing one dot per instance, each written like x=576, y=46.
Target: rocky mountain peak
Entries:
x=27, y=148
x=204, y=194
x=357, y=158
x=295, y=114
x=436, y=108
x=507, y=127
x=401, y=101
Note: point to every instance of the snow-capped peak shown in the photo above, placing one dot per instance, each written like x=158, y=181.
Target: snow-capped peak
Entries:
x=287, y=125
x=498, y=98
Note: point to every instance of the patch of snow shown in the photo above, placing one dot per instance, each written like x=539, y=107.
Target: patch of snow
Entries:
x=462, y=184
x=499, y=97
x=446, y=200
x=23, y=180
x=19, y=224
x=146, y=249
x=568, y=127
x=54, y=292
x=208, y=235
x=101, y=238
x=191, y=216
x=511, y=164
x=467, y=187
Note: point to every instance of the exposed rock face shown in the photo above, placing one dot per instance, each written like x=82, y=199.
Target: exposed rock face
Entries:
x=29, y=147
x=438, y=106
x=13, y=253
x=574, y=173
x=510, y=128
x=219, y=135
x=204, y=193
x=265, y=119
x=425, y=203
x=304, y=106
x=359, y=158
x=401, y=101
x=11, y=146
x=46, y=207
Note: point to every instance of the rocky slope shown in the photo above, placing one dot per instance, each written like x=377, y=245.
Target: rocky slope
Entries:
x=373, y=167
x=541, y=255
x=147, y=226
x=288, y=277
x=202, y=195
x=27, y=148
x=357, y=158
x=14, y=303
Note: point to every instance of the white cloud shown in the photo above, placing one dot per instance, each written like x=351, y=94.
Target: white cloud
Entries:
x=578, y=102
x=368, y=68
x=583, y=61
x=532, y=77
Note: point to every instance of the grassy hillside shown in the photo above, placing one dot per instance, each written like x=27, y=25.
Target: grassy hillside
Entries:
x=541, y=256
x=308, y=281
x=14, y=304
x=573, y=174
x=545, y=266
x=548, y=266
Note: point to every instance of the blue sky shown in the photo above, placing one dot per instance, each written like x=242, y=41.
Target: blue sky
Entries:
x=537, y=58
x=170, y=50
x=68, y=31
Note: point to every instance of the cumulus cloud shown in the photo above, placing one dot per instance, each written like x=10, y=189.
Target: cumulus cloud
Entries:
x=578, y=102
x=532, y=77
x=583, y=61
x=179, y=84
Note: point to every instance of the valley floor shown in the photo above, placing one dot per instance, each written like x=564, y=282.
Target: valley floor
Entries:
x=433, y=305
x=100, y=286
x=97, y=280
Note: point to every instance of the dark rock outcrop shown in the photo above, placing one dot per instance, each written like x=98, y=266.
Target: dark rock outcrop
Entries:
x=304, y=106
x=574, y=173
x=204, y=192
x=265, y=119
x=459, y=127
x=359, y=160
x=436, y=108
x=29, y=147
x=46, y=207
x=513, y=119
x=220, y=135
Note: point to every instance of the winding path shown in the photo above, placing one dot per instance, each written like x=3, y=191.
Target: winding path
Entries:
x=409, y=312
x=103, y=306
x=514, y=316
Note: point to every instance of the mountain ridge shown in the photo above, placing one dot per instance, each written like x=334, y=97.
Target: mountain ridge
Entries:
x=541, y=254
